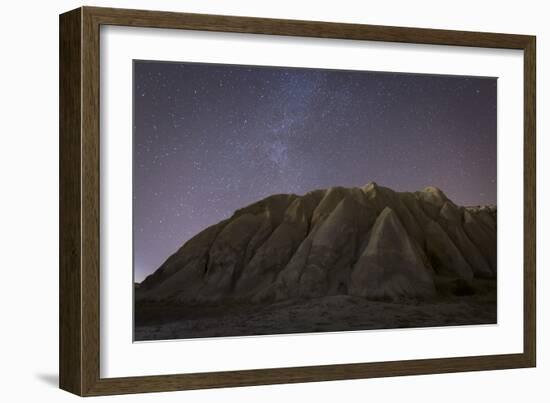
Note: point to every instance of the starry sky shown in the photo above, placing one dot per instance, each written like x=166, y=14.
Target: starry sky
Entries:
x=212, y=138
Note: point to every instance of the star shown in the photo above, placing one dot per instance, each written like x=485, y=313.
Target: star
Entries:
x=211, y=138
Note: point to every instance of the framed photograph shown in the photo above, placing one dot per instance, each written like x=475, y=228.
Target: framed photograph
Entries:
x=249, y=201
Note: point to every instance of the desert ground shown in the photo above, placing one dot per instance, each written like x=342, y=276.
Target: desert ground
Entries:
x=160, y=321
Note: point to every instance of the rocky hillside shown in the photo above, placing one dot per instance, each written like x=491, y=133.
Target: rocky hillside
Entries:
x=370, y=242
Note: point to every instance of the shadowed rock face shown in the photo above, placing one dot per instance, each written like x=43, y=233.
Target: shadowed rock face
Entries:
x=370, y=242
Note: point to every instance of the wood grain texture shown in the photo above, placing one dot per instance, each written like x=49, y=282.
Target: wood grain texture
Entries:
x=530, y=200
x=317, y=29
x=90, y=202
x=70, y=314
x=305, y=374
x=80, y=201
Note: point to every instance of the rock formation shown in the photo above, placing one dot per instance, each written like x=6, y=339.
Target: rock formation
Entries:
x=371, y=242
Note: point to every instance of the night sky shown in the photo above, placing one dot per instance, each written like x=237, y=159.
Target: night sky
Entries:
x=210, y=138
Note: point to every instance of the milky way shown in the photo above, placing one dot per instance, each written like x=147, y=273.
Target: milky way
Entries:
x=209, y=139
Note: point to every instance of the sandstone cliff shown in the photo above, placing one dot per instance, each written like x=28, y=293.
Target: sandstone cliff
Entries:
x=371, y=242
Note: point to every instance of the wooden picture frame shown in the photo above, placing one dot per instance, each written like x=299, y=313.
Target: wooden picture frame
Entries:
x=79, y=348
